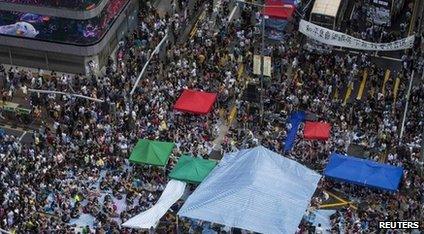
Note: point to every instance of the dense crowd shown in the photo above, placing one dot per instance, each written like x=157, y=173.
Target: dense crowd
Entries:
x=364, y=23
x=317, y=84
x=77, y=165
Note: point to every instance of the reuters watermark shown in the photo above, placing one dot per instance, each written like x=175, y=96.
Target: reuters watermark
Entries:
x=399, y=224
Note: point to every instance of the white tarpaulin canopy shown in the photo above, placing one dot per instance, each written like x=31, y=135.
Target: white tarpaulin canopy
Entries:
x=150, y=218
x=254, y=189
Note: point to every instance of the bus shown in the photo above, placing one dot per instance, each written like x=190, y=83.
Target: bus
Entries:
x=328, y=13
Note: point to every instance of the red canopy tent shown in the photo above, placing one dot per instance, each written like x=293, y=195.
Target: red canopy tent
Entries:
x=195, y=102
x=316, y=131
x=278, y=10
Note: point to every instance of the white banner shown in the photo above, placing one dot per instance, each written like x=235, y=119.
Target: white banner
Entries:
x=150, y=218
x=334, y=38
x=257, y=65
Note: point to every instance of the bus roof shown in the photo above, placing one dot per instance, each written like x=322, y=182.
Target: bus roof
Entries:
x=326, y=7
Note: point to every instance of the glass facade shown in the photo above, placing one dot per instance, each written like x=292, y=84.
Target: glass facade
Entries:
x=74, y=4
x=57, y=29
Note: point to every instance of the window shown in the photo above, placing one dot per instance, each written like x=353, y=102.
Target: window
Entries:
x=62, y=30
x=71, y=4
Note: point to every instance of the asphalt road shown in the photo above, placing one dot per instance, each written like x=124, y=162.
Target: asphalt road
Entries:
x=24, y=135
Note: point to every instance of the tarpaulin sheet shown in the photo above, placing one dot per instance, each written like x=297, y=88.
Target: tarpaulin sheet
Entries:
x=150, y=218
x=254, y=189
x=295, y=119
x=316, y=131
x=195, y=102
x=323, y=217
x=363, y=172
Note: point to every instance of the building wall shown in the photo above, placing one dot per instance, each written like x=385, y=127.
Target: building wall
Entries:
x=64, y=57
x=58, y=12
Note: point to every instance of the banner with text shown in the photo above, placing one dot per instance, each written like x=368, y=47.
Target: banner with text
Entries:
x=334, y=38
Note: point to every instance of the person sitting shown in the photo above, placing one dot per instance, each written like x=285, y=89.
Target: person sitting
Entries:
x=74, y=213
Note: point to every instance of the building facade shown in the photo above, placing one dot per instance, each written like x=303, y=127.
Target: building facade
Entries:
x=63, y=35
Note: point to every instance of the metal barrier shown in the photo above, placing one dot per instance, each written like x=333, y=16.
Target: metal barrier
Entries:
x=4, y=231
x=17, y=114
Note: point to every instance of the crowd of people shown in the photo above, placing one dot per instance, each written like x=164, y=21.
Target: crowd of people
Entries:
x=77, y=165
x=364, y=23
x=317, y=84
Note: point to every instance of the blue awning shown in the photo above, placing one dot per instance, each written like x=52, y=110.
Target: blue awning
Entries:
x=363, y=172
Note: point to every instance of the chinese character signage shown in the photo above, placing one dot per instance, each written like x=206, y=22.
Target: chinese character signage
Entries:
x=334, y=38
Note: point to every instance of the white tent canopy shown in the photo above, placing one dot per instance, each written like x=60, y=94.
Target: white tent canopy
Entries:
x=254, y=189
x=150, y=218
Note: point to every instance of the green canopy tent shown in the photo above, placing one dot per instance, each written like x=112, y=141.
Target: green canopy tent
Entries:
x=151, y=152
x=192, y=170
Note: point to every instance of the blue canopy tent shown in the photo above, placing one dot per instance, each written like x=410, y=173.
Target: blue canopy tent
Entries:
x=363, y=172
x=295, y=119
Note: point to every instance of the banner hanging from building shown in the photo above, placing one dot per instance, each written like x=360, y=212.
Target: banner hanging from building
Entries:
x=334, y=38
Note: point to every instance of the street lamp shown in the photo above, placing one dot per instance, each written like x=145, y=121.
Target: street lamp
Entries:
x=264, y=17
x=261, y=112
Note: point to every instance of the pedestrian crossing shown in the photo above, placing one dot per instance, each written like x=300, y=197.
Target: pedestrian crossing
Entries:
x=349, y=89
x=195, y=27
x=240, y=71
x=396, y=88
x=10, y=105
x=386, y=78
x=336, y=201
x=232, y=115
x=363, y=88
